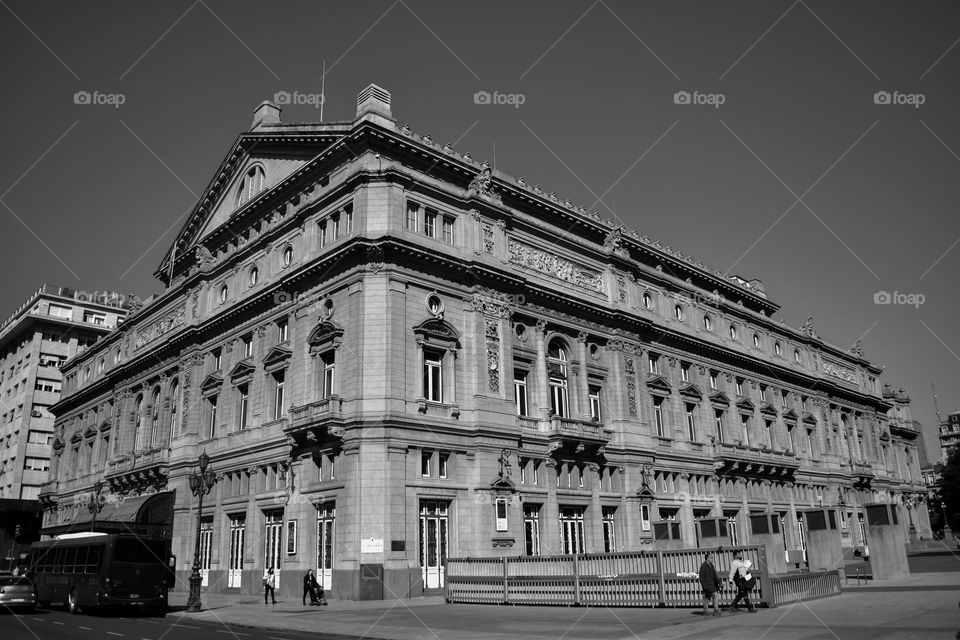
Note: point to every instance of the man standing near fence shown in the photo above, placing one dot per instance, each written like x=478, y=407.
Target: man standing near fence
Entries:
x=710, y=583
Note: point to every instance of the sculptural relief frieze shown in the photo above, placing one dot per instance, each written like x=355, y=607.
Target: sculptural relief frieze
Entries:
x=554, y=266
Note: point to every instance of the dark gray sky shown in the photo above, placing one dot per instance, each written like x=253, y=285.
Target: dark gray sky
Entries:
x=92, y=193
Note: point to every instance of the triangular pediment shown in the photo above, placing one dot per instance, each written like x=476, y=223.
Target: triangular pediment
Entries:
x=746, y=404
x=277, y=354
x=690, y=390
x=243, y=368
x=657, y=383
x=212, y=381
x=767, y=409
x=76, y=437
x=280, y=153
x=808, y=418
x=90, y=432
x=719, y=397
x=105, y=426
x=790, y=414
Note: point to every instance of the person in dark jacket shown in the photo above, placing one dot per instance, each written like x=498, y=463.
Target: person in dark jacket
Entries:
x=710, y=583
x=309, y=581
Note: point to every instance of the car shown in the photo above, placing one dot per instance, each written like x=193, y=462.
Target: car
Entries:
x=17, y=592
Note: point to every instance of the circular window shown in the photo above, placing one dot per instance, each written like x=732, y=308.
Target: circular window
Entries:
x=434, y=304
x=678, y=311
x=756, y=341
x=796, y=356
x=707, y=323
x=733, y=332
x=777, y=349
x=595, y=352
x=521, y=331
x=254, y=276
x=223, y=294
x=647, y=300
x=287, y=256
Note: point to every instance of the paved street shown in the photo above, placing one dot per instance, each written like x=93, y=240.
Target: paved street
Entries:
x=922, y=606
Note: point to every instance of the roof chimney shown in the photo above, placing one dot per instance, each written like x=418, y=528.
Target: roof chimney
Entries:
x=374, y=99
x=266, y=113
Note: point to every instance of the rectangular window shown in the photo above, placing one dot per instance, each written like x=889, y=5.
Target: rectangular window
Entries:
x=520, y=391
x=685, y=372
x=691, y=422
x=645, y=517
x=425, y=458
x=279, y=410
x=448, y=230
x=768, y=425
x=60, y=312
x=654, y=363
x=243, y=395
x=217, y=359
x=348, y=219
x=413, y=217
x=36, y=464
x=329, y=372
x=658, y=416
x=281, y=331
x=713, y=379
x=718, y=421
x=501, y=514
x=609, y=530
x=94, y=318
x=783, y=398
x=443, y=461
x=323, y=234
x=39, y=437
x=595, y=413
x=531, y=529
x=212, y=411
x=810, y=449
x=739, y=386
x=433, y=375
x=335, y=219
x=247, y=346
x=430, y=223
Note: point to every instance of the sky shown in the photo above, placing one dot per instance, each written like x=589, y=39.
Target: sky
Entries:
x=806, y=143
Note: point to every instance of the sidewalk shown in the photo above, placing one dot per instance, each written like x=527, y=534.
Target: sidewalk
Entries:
x=920, y=606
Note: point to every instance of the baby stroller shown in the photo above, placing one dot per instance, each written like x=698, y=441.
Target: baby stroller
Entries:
x=317, y=596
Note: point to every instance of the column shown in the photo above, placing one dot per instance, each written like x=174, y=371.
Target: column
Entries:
x=790, y=522
x=596, y=511
x=541, y=383
x=687, y=531
x=582, y=382
x=550, y=524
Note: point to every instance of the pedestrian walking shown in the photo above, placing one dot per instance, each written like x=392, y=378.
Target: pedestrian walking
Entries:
x=269, y=585
x=312, y=588
x=741, y=579
x=710, y=583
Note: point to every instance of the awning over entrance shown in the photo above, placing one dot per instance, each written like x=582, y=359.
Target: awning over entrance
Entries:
x=148, y=514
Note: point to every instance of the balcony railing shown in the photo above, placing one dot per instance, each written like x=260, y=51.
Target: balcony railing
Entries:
x=307, y=414
x=742, y=460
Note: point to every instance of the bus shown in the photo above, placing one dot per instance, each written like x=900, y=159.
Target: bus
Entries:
x=100, y=570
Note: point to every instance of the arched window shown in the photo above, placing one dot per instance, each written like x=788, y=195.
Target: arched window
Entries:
x=557, y=361
x=252, y=184
x=138, y=421
x=155, y=417
x=174, y=406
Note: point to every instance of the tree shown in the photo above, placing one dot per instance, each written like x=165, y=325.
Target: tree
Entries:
x=950, y=489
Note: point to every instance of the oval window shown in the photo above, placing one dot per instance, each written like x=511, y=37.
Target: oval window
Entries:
x=223, y=294
x=254, y=276
x=707, y=323
x=287, y=256
x=647, y=301
x=678, y=311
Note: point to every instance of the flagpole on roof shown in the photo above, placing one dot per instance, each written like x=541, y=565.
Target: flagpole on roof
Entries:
x=323, y=84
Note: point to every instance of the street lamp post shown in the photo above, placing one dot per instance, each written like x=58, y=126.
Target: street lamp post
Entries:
x=94, y=505
x=200, y=485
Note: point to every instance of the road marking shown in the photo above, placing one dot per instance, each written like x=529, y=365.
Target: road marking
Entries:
x=183, y=626
x=113, y=633
x=39, y=619
x=236, y=633
x=57, y=622
x=85, y=628
x=276, y=638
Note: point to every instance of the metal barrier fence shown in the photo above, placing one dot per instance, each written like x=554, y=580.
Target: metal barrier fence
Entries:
x=657, y=578
x=803, y=586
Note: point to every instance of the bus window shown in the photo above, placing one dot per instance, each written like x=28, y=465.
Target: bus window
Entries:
x=58, y=560
x=80, y=565
x=69, y=559
x=93, y=559
x=129, y=550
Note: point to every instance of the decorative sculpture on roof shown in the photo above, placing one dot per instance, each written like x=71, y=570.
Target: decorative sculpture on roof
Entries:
x=614, y=243
x=204, y=257
x=807, y=327
x=482, y=182
x=504, y=461
x=857, y=348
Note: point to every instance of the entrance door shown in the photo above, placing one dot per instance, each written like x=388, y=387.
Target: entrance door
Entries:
x=238, y=528
x=273, y=541
x=571, y=529
x=433, y=542
x=800, y=537
x=326, y=514
x=206, y=544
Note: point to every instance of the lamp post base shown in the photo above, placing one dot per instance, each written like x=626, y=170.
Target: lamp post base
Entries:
x=193, y=601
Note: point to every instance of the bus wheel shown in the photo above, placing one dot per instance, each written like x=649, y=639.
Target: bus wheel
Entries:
x=72, y=606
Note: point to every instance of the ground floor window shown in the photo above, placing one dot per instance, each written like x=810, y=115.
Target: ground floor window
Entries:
x=531, y=529
x=238, y=528
x=609, y=530
x=326, y=518
x=571, y=529
x=434, y=528
x=206, y=544
x=273, y=541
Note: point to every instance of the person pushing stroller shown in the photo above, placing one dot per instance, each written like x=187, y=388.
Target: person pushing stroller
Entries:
x=312, y=587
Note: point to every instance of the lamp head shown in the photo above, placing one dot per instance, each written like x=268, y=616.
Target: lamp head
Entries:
x=204, y=460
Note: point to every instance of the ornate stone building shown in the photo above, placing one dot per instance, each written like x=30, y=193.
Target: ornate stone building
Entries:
x=393, y=354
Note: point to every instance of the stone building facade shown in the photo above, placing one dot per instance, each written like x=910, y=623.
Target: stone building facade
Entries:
x=393, y=355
